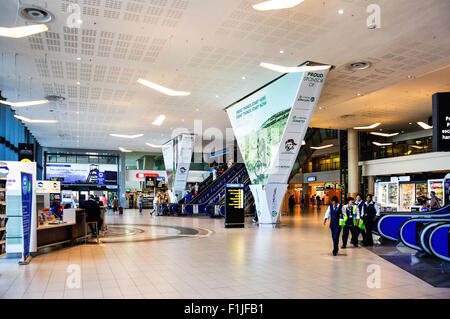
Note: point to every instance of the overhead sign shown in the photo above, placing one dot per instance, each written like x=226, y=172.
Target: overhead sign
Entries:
x=441, y=122
x=26, y=152
x=311, y=178
x=48, y=187
x=69, y=173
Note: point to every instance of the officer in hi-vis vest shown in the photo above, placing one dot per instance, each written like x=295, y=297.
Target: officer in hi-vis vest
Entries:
x=334, y=213
x=352, y=221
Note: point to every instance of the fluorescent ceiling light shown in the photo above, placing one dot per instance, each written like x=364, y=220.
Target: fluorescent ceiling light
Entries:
x=367, y=127
x=384, y=134
x=303, y=142
x=381, y=144
x=293, y=69
x=126, y=136
x=24, y=103
x=424, y=125
x=417, y=147
x=154, y=145
x=24, y=31
x=162, y=89
x=26, y=119
x=276, y=4
x=124, y=150
x=321, y=147
x=159, y=120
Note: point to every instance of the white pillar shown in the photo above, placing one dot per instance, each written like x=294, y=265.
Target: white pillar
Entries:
x=353, y=174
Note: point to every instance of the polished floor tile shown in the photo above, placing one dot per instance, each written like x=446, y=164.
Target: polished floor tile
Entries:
x=179, y=257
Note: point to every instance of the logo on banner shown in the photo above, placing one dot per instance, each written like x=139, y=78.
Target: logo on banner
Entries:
x=25, y=186
x=274, y=203
x=182, y=170
x=4, y=170
x=302, y=98
x=289, y=145
x=314, y=78
x=298, y=119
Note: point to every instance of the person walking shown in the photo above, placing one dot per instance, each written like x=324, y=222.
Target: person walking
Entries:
x=351, y=218
x=104, y=201
x=115, y=204
x=334, y=214
x=155, y=204
x=196, y=186
x=139, y=202
x=302, y=203
x=318, y=201
x=370, y=212
x=291, y=203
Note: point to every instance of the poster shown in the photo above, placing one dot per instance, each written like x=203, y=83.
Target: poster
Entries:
x=270, y=126
x=27, y=204
x=98, y=174
x=47, y=187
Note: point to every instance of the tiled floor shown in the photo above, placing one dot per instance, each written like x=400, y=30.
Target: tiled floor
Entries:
x=293, y=261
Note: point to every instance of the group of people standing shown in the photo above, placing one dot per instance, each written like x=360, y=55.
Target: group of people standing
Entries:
x=355, y=218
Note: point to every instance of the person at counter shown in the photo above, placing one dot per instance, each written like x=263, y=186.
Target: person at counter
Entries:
x=434, y=202
x=92, y=210
x=56, y=209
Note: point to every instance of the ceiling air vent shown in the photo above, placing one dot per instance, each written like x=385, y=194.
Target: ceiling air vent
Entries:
x=36, y=15
x=357, y=66
x=55, y=98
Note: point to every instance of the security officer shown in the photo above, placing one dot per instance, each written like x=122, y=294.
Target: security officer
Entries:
x=334, y=213
x=360, y=203
x=370, y=212
x=350, y=214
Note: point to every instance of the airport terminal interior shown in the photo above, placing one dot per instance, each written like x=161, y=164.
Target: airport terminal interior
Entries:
x=238, y=149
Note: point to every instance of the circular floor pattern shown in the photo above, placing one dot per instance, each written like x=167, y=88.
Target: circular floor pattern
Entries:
x=121, y=233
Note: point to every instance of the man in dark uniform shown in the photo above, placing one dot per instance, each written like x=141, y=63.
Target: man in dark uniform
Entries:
x=360, y=203
x=334, y=213
x=370, y=212
x=92, y=210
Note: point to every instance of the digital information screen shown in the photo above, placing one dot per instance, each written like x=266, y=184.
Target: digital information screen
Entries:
x=234, y=205
x=151, y=182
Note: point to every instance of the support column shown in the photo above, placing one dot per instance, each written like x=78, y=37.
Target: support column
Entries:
x=371, y=182
x=353, y=174
x=121, y=187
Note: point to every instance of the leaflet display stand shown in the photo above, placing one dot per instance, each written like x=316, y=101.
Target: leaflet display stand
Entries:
x=234, y=205
x=3, y=218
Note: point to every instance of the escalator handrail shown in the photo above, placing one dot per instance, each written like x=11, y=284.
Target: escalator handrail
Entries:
x=415, y=220
x=430, y=238
x=423, y=242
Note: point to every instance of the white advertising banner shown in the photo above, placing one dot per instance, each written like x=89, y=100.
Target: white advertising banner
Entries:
x=48, y=187
x=177, y=155
x=269, y=126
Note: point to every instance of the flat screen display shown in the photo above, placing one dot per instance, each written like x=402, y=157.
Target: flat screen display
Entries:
x=94, y=174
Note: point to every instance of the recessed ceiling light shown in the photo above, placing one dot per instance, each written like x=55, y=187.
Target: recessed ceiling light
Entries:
x=154, y=145
x=159, y=120
x=424, y=125
x=26, y=119
x=303, y=142
x=78, y=83
x=358, y=94
x=217, y=96
x=293, y=69
x=367, y=127
x=321, y=147
x=410, y=123
x=24, y=103
x=182, y=120
x=381, y=144
x=162, y=89
x=243, y=78
x=126, y=136
x=281, y=51
x=276, y=4
x=24, y=31
x=78, y=58
x=197, y=109
x=384, y=134
x=340, y=11
x=124, y=150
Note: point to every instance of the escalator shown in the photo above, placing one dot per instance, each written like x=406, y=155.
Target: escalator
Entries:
x=428, y=233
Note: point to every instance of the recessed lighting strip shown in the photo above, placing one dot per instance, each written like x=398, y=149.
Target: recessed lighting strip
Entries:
x=293, y=69
x=159, y=120
x=126, y=136
x=424, y=125
x=384, y=134
x=124, y=150
x=162, y=89
x=321, y=147
x=381, y=144
x=23, y=31
x=367, y=127
x=154, y=145
x=276, y=4
x=26, y=119
x=24, y=103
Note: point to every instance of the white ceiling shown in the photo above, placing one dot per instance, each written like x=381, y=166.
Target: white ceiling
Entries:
x=206, y=47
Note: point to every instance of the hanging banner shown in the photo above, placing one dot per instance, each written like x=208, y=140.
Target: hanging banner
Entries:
x=177, y=155
x=27, y=204
x=169, y=163
x=269, y=126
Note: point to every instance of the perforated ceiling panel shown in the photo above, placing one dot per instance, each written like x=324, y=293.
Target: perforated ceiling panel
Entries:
x=207, y=48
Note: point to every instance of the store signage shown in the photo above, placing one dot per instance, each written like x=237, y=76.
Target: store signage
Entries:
x=234, y=205
x=26, y=152
x=47, y=187
x=311, y=178
x=441, y=122
x=101, y=178
x=151, y=182
x=319, y=188
x=27, y=200
x=404, y=178
x=144, y=175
